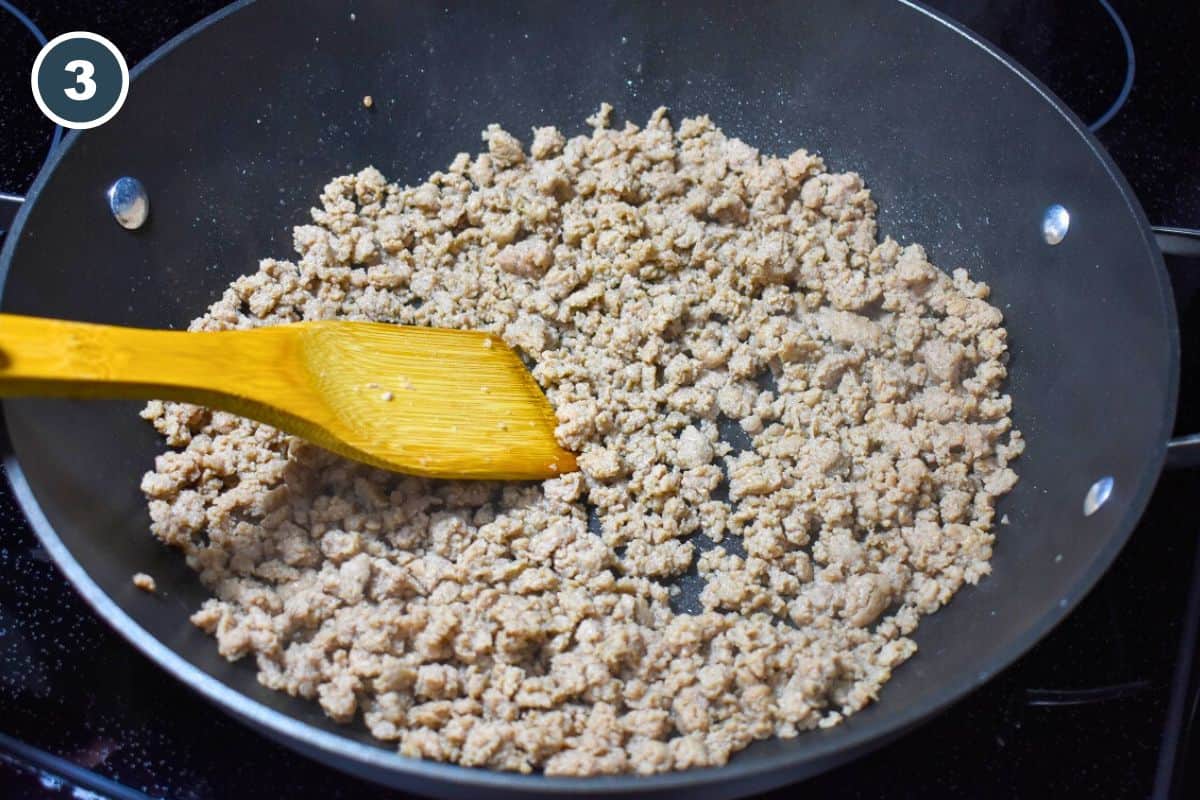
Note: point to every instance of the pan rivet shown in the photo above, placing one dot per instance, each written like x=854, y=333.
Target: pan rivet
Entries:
x=129, y=203
x=1097, y=495
x=1055, y=224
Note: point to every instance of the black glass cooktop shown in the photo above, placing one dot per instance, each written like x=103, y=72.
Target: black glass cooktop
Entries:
x=1101, y=708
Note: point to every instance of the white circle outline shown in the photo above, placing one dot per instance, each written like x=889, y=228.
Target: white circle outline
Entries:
x=110, y=47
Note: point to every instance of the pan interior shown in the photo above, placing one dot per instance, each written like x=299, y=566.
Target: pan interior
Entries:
x=234, y=138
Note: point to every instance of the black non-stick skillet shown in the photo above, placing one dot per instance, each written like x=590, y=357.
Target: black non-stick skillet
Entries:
x=234, y=125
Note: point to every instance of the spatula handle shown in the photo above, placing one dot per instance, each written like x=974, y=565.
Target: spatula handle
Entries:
x=49, y=357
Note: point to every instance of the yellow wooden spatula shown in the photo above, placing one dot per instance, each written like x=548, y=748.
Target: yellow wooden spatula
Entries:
x=427, y=401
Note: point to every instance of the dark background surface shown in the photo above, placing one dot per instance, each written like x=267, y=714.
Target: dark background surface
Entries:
x=1084, y=714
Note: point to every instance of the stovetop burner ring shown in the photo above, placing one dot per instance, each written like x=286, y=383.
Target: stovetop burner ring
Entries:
x=32, y=27
x=1130, y=69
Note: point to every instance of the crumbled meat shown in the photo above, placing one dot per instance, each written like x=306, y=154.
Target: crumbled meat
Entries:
x=663, y=282
x=145, y=582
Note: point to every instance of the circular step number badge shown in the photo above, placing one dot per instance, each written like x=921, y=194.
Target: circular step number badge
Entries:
x=80, y=80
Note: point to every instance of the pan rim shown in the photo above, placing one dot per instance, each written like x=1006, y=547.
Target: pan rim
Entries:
x=820, y=751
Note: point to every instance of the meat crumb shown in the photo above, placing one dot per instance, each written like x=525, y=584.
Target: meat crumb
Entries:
x=734, y=354
x=145, y=582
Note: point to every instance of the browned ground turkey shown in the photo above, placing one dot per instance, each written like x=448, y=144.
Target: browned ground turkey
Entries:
x=654, y=275
x=145, y=582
